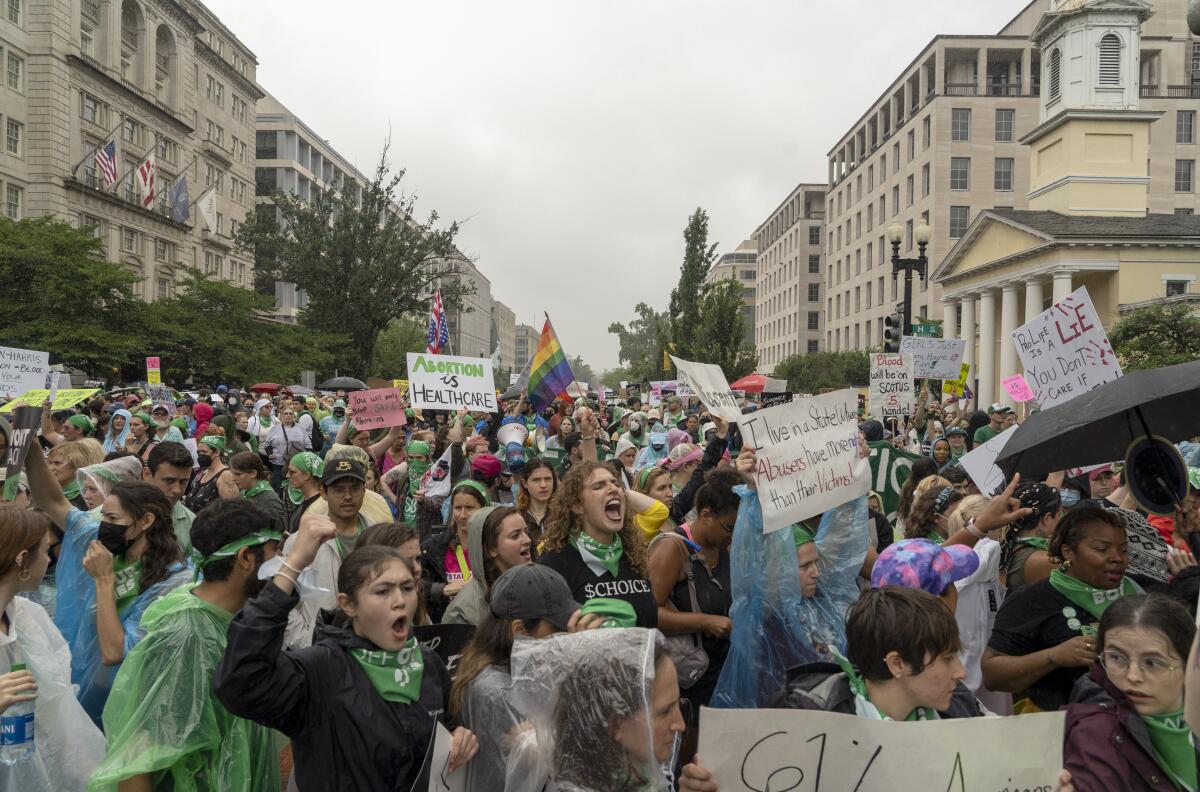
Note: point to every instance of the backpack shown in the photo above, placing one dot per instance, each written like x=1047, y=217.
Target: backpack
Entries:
x=317, y=440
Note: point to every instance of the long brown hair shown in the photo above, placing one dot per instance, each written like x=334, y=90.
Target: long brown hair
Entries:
x=523, y=499
x=20, y=531
x=563, y=522
x=140, y=498
x=491, y=644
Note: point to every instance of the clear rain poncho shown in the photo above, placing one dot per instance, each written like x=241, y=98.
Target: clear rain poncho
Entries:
x=163, y=718
x=587, y=697
x=96, y=481
x=775, y=627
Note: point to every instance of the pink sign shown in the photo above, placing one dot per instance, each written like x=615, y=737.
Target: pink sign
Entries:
x=378, y=408
x=152, y=363
x=1018, y=388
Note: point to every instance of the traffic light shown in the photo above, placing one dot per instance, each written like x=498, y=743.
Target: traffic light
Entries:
x=893, y=328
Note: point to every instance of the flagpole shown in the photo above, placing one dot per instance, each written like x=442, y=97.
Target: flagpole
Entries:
x=129, y=173
x=92, y=153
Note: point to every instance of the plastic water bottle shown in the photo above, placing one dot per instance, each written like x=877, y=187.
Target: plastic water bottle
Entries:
x=16, y=729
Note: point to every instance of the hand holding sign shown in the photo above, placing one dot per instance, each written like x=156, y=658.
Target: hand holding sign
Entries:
x=377, y=408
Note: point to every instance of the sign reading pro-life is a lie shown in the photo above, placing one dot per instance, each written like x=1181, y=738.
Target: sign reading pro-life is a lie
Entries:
x=1065, y=350
x=448, y=382
x=808, y=457
x=893, y=391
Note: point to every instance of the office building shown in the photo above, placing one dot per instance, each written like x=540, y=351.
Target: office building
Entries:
x=504, y=334
x=526, y=345
x=742, y=266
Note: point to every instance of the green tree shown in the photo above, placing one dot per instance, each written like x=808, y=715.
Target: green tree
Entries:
x=722, y=337
x=686, y=297
x=818, y=371
x=612, y=378
x=1157, y=336
x=643, y=342
x=60, y=295
x=363, y=258
x=401, y=336
x=582, y=371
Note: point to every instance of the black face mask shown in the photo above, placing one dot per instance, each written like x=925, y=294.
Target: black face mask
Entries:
x=112, y=536
x=203, y=461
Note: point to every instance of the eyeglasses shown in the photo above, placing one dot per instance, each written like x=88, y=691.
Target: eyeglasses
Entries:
x=1153, y=667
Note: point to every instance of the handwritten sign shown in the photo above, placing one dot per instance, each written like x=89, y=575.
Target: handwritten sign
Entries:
x=22, y=370
x=753, y=751
x=153, y=371
x=773, y=399
x=708, y=381
x=980, y=463
x=808, y=458
x=378, y=408
x=934, y=358
x=160, y=394
x=64, y=399
x=957, y=387
x=1018, y=388
x=440, y=777
x=402, y=384
x=1065, y=350
x=449, y=641
x=892, y=392
x=25, y=424
x=448, y=382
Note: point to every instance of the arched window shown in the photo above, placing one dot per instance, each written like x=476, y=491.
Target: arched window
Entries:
x=91, y=29
x=165, y=66
x=132, y=39
x=1110, y=59
x=1055, y=71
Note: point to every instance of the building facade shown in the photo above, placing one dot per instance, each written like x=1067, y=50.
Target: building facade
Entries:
x=504, y=333
x=526, y=345
x=471, y=325
x=742, y=266
x=942, y=144
x=161, y=77
x=789, y=284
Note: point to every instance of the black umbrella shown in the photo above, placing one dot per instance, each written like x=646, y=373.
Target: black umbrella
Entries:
x=343, y=383
x=1100, y=425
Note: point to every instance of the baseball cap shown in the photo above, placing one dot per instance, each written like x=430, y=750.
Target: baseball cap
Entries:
x=658, y=439
x=533, y=591
x=958, y=430
x=343, y=468
x=1098, y=472
x=998, y=408
x=922, y=564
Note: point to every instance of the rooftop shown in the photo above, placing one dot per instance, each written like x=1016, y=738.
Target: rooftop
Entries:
x=1058, y=225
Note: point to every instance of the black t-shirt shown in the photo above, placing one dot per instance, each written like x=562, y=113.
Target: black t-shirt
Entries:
x=628, y=585
x=1037, y=617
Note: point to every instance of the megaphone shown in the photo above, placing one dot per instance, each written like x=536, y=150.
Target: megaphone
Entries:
x=1156, y=474
x=512, y=436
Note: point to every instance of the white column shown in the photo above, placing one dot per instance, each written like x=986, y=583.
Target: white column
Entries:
x=949, y=318
x=1062, y=285
x=1033, y=299
x=968, y=333
x=1008, y=350
x=987, y=348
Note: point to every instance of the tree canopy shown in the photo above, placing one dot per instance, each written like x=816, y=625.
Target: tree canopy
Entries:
x=818, y=371
x=644, y=342
x=1156, y=336
x=685, y=308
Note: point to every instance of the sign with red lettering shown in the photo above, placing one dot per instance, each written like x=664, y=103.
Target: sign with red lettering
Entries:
x=893, y=391
x=1065, y=351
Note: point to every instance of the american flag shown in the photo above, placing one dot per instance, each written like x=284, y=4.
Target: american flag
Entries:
x=145, y=174
x=106, y=162
x=439, y=333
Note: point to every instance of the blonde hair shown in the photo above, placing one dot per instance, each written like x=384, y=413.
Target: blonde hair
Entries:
x=78, y=453
x=968, y=507
x=928, y=483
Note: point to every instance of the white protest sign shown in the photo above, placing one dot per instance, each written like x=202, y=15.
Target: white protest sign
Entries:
x=440, y=777
x=448, y=382
x=808, y=460
x=22, y=370
x=934, y=358
x=1065, y=350
x=756, y=750
x=892, y=389
x=709, y=383
x=54, y=377
x=980, y=463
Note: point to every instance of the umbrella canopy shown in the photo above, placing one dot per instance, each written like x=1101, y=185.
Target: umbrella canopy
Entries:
x=343, y=383
x=300, y=390
x=1099, y=426
x=268, y=387
x=757, y=383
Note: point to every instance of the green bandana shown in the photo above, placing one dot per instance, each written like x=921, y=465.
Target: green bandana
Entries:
x=802, y=535
x=1172, y=741
x=1093, y=600
x=262, y=485
x=215, y=442
x=128, y=581
x=228, y=551
x=935, y=537
x=146, y=419
x=609, y=555
x=415, y=471
x=82, y=423
x=859, y=686
x=71, y=491
x=308, y=462
x=395, y=675
x=1039, y=542
x=617, y=612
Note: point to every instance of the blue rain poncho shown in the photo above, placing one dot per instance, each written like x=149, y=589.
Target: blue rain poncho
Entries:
x=775, y=627
x=75, y=612
x=117, y=442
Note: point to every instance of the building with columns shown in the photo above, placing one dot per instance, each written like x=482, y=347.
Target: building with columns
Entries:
x=1087, y=221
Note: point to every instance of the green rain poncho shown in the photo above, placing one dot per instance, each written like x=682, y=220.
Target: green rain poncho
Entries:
x=162, y=717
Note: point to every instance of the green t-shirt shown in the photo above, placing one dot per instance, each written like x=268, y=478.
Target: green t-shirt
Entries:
x=984, y=433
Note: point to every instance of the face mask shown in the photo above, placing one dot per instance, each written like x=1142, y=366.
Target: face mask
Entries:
x=1070, y=497
x=203, y=461
x=112, y=536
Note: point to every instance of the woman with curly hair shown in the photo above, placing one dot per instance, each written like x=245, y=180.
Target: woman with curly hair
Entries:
x=931, y=511
x=593, y=541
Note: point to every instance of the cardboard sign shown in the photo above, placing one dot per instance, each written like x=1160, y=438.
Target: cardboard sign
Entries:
x=957, y=387
x=708, y=381
x=772, y=400
x=378, y=408
x=22, y=370
x=1065, y=351
x=1018, y=388
x=778, y=749
x=449, y=641
x=892, y=389
x=448, y=382
x=25, y=423
x=808, y=460
x=153, y=371
x=63, y=400
x=980, y=463
x=934, y=358
x=160, y=394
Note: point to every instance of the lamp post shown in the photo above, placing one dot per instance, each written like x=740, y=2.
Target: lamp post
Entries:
x=921, y=235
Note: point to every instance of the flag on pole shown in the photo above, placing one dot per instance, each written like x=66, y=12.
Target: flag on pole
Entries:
x=206, y=207
x=549, y=371
x=181, y=209
x=145, y=181
x=106, y=163
x=439, y=332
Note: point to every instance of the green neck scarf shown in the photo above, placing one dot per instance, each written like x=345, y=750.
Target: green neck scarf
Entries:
x=415, y=471
x=859, y=686
x=608, y=555
x=395, y=675
x=1093, y=600
x=1038, y=542
x=127, y=581
x=71, y=491
x=1173, y=747
x=935, y=537
x=260, y=486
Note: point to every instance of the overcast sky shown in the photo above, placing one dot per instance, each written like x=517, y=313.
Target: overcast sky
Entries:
x=574, y=139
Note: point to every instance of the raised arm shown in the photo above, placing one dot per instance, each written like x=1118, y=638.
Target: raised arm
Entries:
x=377, y=449
x=52, y=437
x=47, y=495
x=682, y=503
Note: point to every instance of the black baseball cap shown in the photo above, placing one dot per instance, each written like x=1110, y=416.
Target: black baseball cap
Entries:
x=533, y=591
x=343, y=468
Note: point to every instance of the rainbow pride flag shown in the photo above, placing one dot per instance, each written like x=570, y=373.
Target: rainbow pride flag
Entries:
x=549, y=371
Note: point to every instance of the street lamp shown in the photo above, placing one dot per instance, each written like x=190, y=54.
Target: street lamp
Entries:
x=921, y=234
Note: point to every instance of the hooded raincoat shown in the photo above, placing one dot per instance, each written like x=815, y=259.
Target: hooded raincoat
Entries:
x=259, y=426
x=117, y=443
x=470, y=606
x=102, y=476
x=236, y=440
x=203, y=414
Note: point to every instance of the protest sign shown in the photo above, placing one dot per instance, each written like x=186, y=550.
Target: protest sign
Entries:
x=708, y=381
x=770, y=400
x=25, y=423
x=153, y=371
x=1018, y=388
x=892, y=390
x=377, y=408
x=448, y=382
x=808, y=458
x=772, y=385
x=160, y=394
x=65, y=399
x=1065, y=350
x=55, y=376
x=440, y=777
x=934, y=358
x=889, y=470
x=436, y=480
x=22, y=370
x=810, y=749
x=403, y=385
x=980, y=463
x=448, y=641
x=957, y=387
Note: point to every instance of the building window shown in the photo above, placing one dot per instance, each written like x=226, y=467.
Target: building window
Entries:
x=91, y=109
x=1184, y=175
x=12, y=202
x=909, y=190
x=960, y=218
x=1185, y=126
x=1110, y=60
x=895, y=200
x=167, y=149
x=131, y=130
x=16, y=72
x=812, y=345
x=925, y=180
x=161, y=249
x=925, y=133
x=1176, y=288
x=1055, y=69
x=814, y=235
x=12, y=137
x=814, y=320
x=1004, y=126
x=164, y=288
x=908, y=235
x=814, y=292
x=896, y=158
x=960, y=173
x=14, y=11
x=912, y=144
x=1004, y=174
x=814, y=264
x=1184, y=211
x=215, y=91
x=960, y=123
x=128, y=240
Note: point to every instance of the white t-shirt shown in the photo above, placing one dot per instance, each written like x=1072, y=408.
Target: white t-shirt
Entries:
x=979, y=598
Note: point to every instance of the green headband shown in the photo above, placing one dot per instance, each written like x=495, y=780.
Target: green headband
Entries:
x=417, y=447
x=617, y=612
x=645, y=474
x=180, y=423
x=144, y=418
x=475, y=485
x=802, y=535
x=230, y=550
x=82, y=423
x=215, y=442
x=308, y=462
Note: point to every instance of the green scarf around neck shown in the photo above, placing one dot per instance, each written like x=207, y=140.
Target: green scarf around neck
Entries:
x=1038, y=542
x=395, y=675
x=859, y=686
x=1173, y=747
x=607, y=554
x=71, y=491
x=127, y=583
x=260, y=486
x=1093, y=600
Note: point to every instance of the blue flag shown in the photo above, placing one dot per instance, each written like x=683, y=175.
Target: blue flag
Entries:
x=181, y=208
